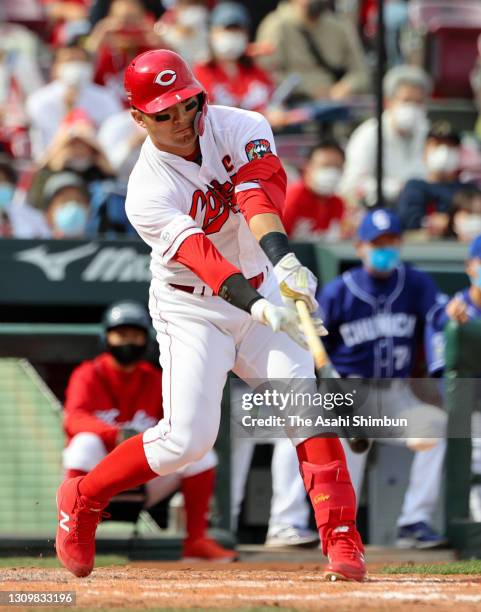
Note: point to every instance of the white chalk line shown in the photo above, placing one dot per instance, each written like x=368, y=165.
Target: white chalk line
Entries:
x=367, y=594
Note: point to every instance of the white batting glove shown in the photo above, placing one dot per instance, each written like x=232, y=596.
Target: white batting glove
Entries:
x=280, y=318
x=296, y=282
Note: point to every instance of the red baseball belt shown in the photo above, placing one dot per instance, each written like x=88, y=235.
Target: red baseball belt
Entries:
x=255, y=282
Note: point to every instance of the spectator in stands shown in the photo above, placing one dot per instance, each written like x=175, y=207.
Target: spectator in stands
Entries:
x=184, y=28
x=305, y=37
x=17, y=218
x=405, y=127
x=376, y=314
x=465, y=216
x=312, y=209
x=117, y=39
x=463, y=307
x=231, y=77
x=475, y=78
x=100, y=8
x=119, y=394
x=76, y=149
x=20, y=75
x=426, y=203
x=61, y=14
x=71, y=88
x=395, y=19
x=66, y=202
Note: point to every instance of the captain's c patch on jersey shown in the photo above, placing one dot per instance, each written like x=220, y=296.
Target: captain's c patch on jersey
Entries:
x=256, y=149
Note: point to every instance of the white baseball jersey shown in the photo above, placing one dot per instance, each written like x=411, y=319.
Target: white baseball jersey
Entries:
x=169, y=198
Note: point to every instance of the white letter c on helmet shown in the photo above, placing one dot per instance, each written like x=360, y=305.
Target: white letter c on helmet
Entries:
x=161, y=79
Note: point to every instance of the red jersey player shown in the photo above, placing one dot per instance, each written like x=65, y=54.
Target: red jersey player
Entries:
x=117, y=395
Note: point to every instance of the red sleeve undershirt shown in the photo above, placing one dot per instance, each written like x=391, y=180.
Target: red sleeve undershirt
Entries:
x=199, y=255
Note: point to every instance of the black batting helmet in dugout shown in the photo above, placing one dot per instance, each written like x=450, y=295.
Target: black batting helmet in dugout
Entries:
x=127, y=312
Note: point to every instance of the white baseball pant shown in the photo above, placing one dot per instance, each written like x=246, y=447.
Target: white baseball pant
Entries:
x=202, y=338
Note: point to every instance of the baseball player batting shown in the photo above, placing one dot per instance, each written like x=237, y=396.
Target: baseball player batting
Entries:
x=206, y=195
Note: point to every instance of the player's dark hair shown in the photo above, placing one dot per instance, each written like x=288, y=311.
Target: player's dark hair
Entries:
x=330, y=144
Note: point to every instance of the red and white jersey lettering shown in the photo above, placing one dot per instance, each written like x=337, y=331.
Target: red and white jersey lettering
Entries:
x=170, y=198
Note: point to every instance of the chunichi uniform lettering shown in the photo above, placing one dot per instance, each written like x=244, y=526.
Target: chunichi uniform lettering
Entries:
x=391, y=325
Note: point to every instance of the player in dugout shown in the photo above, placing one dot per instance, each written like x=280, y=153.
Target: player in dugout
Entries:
x=119, y=394
x=377, y=313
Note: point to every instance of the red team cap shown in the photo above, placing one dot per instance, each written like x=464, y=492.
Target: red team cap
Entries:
x=157, y=79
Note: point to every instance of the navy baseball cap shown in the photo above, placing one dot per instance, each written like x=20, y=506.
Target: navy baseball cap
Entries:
x=377, y=223
x=475, y=248
x=228, y=14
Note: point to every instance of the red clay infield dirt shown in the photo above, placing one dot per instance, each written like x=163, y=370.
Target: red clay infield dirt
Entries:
x=248, y=586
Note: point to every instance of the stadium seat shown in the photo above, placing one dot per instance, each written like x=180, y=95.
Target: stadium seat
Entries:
x=451, y=30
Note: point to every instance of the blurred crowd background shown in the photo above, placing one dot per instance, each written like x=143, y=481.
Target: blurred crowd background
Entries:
x=68, y=143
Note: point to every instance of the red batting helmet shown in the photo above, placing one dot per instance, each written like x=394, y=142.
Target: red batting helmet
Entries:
x=155, y=80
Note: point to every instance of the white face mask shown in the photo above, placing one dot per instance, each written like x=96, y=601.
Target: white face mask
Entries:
x=467, y=227
x=192, y=16
x=443, y=159
x=229, y=45
x=75, y=74
x=408, y=116
x=324, y=181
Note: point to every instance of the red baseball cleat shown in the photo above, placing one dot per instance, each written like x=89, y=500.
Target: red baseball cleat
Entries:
x=78, y=518
x=345, y=553
x=205, y=549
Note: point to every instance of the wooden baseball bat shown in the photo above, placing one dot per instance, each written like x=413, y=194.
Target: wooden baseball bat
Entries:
x=314, y=342
x=321, y=360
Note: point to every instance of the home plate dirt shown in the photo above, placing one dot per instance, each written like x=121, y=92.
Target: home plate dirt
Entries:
x=246, y=585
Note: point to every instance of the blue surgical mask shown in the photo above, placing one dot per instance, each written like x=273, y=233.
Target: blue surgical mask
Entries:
x=383, y=259
x=71, y=218
x=6, y=195
x=476, y=281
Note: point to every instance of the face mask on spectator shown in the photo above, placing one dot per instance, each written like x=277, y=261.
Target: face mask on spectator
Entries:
x=80, y=164
x=443, y=159
x=324, y=181
x=408, y=116
x=71, y=218
x=75, y=74
x=467, y=227
x=383, y=259
x=6, y=195
x=192, y=16
x=229, y=45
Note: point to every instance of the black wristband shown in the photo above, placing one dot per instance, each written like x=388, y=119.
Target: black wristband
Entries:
x=237, y=291
x=275, y=245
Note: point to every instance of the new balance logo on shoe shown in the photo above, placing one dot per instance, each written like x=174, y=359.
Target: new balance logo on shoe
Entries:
x=63, y=521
